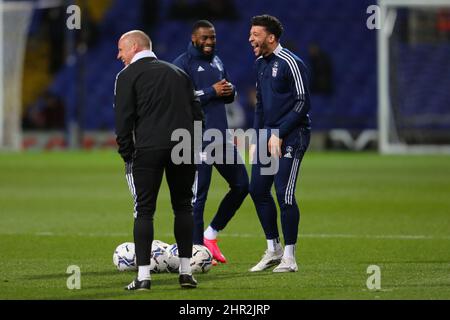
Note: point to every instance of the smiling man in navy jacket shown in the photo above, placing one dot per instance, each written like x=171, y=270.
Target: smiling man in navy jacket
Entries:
x=214, y=90
x=282, y=109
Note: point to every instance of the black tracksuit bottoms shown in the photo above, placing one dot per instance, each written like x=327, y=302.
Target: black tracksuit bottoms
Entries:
x=144, y=175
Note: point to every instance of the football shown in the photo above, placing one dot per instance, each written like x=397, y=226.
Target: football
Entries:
x=159, y=244
x=158, y=261
x=201, y=261
x=173, y=261
x=124, y=257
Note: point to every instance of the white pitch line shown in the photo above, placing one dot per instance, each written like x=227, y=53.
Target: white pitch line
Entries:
x=240, y=235
x=350, y=236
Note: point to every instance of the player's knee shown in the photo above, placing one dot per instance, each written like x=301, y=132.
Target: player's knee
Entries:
x=253, y=191
x=258, y=194
x=201, y=196
x=286, y=200
x=144, y=215
x=145, y=211
x=241, y=189
x=182, y=207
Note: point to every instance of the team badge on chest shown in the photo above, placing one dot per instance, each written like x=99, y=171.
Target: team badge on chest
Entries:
x=275, y=69
x=216, y=63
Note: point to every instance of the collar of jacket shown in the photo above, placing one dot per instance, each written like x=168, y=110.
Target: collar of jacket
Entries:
x=274, y=53
x=195, y=52
x=143, y=54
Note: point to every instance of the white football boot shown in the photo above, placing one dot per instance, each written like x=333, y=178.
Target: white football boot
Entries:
x=269, y=259
x=287, y=265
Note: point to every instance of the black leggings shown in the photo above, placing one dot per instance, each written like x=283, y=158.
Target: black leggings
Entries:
x=144, y=175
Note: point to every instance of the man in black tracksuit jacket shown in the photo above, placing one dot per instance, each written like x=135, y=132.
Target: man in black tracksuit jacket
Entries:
x=152, y=99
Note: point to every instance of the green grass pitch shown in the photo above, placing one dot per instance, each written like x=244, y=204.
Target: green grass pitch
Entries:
x=74, y=208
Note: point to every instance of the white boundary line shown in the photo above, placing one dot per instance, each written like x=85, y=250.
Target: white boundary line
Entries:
x=242, y=235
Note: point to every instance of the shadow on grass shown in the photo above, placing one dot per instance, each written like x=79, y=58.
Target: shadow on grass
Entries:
x=65, y=275
x=132, y=274
x=109, y=284
x=163, y=282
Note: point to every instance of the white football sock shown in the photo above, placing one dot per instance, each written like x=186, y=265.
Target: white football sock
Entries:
x=185, y=266
x=289, y=251
x=210, y=233
x=144, y=273
x=273, y=244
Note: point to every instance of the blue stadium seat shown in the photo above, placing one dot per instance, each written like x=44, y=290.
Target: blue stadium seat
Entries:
x=334, y=24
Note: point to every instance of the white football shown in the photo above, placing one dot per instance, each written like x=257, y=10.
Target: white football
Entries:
x=173, y=261
x=201, y=260
x=124, y=257
x=158, y=261
x=159, y=244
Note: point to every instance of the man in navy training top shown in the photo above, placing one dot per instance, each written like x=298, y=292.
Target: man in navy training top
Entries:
x=212, y=86
x=282, y=104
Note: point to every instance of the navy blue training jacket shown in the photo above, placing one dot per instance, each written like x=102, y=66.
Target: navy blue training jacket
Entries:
x=283, y=99
x=204, y=72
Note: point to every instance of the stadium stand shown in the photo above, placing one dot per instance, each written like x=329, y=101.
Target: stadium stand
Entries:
x=334, y=24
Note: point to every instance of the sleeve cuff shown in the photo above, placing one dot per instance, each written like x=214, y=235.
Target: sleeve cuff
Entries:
x=210, y=92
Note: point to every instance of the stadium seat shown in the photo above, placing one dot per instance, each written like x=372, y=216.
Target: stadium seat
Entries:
x=354, y=60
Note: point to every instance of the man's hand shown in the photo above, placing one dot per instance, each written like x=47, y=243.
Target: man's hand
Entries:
x=275, y=146
x=223, y=88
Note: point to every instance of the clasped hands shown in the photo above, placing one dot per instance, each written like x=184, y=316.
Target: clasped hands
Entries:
x=223, y=88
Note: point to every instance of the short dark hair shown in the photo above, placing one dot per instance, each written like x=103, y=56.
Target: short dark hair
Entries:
x=271, y=23
x=201, y=24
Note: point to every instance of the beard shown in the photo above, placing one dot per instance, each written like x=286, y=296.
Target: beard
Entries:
x=206, y=50
x=261, y=49
x=264, y=49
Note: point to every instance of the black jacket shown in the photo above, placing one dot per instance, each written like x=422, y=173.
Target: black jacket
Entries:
x=152, y=99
